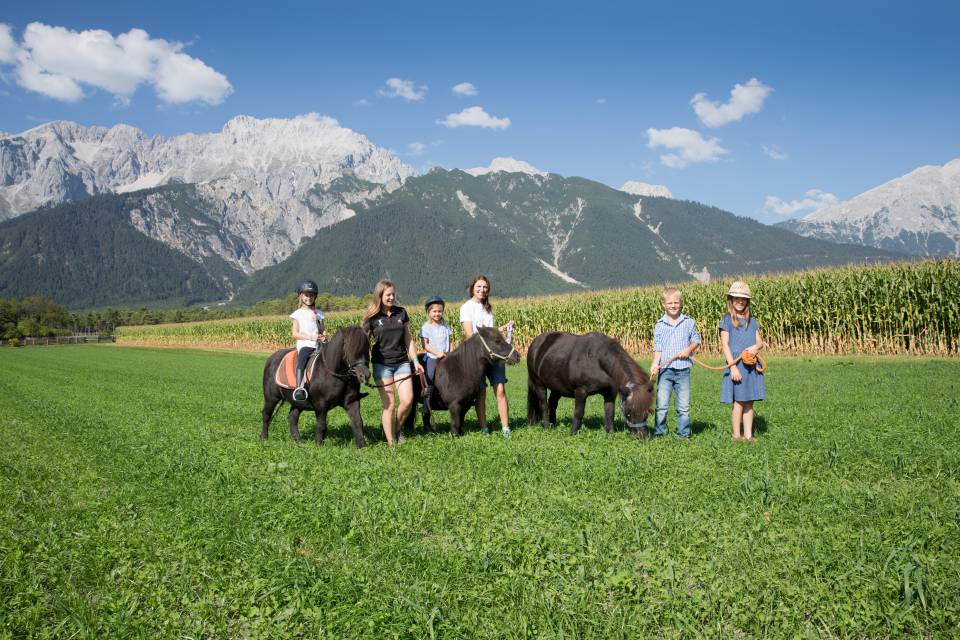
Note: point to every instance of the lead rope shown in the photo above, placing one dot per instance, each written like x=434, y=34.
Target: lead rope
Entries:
x=748, y=359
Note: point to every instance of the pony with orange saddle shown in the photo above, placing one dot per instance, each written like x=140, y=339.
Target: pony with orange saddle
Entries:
x=333, y=378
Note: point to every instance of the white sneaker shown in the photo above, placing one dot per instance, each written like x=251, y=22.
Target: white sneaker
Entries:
x=505, y=432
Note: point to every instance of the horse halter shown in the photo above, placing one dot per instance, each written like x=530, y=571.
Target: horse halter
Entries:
x=351, y=369
x=493, y=353
x=623, y=409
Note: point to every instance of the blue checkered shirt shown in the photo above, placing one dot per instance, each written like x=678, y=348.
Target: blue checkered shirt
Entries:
x=669, y=340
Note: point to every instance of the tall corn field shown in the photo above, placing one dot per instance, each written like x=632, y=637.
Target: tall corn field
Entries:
x=911, y=307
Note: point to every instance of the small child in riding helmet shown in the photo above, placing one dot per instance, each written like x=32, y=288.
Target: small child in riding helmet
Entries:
x=675, y=339
x=435, y=339
x=308, y=330
x=742, y=383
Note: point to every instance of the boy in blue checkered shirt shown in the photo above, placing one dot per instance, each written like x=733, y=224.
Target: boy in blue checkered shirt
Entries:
x=675, y=339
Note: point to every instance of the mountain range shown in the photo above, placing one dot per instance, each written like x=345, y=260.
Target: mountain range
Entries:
x=266, y=181
x=916, y=214
x=536, y=234
x=244, y=213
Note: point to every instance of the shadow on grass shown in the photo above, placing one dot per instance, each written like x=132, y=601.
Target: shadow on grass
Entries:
x=759, y=425
x=373, y=432
x=699, y=426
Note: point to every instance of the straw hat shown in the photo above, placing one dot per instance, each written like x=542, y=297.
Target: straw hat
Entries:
x=739, y=289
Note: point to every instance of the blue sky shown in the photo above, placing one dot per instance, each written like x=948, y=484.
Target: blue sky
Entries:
x=797, y=105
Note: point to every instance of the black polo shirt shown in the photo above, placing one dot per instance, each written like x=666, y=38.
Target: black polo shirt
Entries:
x=389, y=346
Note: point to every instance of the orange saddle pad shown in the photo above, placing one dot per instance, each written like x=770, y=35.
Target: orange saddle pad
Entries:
x=286, y=375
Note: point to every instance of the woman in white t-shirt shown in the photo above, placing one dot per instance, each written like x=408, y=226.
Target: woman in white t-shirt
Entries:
x=475, y=313
x=308, y=331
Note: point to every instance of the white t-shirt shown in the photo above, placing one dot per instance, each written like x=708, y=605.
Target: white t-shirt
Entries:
x=309, y=323
x=474, y=313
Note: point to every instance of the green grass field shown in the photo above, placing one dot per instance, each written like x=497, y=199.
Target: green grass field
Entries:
x=137, y=501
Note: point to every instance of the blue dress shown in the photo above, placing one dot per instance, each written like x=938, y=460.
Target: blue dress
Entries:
x=751, y=387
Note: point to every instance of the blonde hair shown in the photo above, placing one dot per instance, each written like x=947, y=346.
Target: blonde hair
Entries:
x=375, y=305
x=477, y=278
x=669, y=291
x=733, y=314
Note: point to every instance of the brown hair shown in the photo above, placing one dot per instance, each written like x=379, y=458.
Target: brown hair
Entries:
x=733, y=314
x=477, y=278
x=375, y=305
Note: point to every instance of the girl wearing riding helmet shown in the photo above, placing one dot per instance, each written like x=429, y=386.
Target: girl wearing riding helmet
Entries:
x=308, y=331
x=742, y=384
x=475, y=313
x=393, y=351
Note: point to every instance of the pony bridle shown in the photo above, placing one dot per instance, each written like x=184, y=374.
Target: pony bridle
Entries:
x=491, y=352
x=351, y=370
x=623, y=408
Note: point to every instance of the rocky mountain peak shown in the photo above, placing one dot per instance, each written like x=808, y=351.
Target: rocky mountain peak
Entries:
x=643, y=189
x=507, y=165
x=280, y=160
x=917, y=213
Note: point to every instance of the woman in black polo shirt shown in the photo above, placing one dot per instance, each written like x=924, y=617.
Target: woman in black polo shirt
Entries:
x=393, y=351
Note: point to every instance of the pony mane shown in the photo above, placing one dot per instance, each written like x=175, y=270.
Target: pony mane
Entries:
x=625, y=368
x=355, y=340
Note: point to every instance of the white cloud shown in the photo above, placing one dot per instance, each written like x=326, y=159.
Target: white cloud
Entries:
x=744, y=100
x=33, y=77
x=773, y=151
x=465, y=89
x=180, y=78
x=815, y=200
x=474, y=117
x=601, y=101
x=397, y=88
x=57, y=62
x=688, y=144
x=8, y=46
x=362, y=102
x=416, y=148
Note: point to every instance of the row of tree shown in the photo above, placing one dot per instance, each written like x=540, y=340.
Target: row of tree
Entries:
x=39, y=316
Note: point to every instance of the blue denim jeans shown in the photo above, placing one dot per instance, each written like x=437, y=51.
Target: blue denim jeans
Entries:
x=668, y=382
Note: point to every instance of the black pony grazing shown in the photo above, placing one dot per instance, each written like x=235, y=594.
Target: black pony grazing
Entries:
x=344, y=364
x=459, y=376
x=572, y=366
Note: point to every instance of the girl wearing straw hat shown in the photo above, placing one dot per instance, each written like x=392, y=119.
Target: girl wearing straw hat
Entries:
x=742, y=383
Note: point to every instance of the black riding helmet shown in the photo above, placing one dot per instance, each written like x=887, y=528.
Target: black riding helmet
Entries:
x=308, y=286
x=432, y=301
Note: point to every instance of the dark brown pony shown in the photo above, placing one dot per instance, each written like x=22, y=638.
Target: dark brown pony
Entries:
x=572, y=366
x=459, y=376
x=342, y=367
